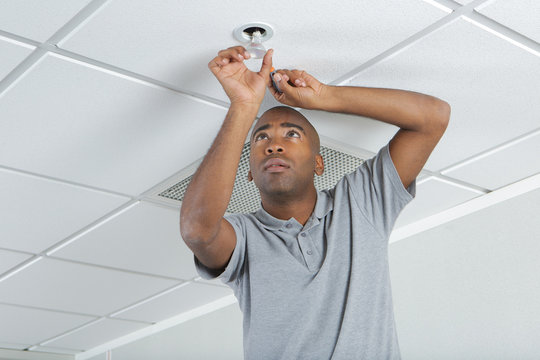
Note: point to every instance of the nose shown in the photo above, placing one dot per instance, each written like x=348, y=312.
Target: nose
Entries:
x=274, y=147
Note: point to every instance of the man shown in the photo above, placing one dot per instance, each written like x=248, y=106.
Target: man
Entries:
x=310, y=268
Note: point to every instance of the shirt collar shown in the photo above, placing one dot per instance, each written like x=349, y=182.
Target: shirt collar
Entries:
x=323, y=206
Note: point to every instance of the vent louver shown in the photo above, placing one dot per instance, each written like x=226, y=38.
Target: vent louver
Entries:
x=245, y=197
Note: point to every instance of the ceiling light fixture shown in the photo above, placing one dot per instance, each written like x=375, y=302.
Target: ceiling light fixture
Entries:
x=254, y=33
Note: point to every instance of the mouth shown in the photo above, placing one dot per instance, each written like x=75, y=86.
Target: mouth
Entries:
x=275, y=165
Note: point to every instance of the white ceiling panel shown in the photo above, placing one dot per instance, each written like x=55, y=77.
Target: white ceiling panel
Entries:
x=145, y=238
x=37, y=213
x=472, y=70
x=169, y=42
x=31, y=326
x=12, y=55
x=9, y=259
x=469, y=289
x=36, y=19
x=96, y=334
x=183, y=299
x=522, y=16
x=433, y=196
x=519, y=161
x=360, y=132
x=62, y=285
x=90, y=127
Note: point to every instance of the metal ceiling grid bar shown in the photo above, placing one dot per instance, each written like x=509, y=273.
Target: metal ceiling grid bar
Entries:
x=33, y=355
x=396, y=49
x=159, y=326
x=503, y=32
x=63, y=181
x=490, y=151
x=481, y=202
x=50, y=310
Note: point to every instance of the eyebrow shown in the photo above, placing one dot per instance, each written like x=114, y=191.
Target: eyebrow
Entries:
x=284, y=125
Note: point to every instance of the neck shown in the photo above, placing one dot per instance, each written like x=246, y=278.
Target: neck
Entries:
x=284, y=207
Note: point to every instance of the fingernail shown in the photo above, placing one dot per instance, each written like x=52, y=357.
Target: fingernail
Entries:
x=225, y=60
x=246, y=55
x=297, y=81
x=277, y=77
x=240, y=56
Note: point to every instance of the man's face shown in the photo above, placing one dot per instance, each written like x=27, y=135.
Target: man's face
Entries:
x=282, y=158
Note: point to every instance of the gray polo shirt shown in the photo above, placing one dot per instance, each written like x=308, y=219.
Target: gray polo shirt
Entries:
x=321, y=291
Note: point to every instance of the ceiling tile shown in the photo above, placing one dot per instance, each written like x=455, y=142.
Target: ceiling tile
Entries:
x=12, y=55
x=520, y=161
x=173, y=303
x=31, y=326
x=145, y=238
x=96, y=334
x=471, y=285
x=360, y=132
x=38, y=213
x=36, y=19
x=167, y=42
x=520, y=15
x=90, y=127
x=9, y=259
x=472, y=70
x=62, y=285
x=432, y=197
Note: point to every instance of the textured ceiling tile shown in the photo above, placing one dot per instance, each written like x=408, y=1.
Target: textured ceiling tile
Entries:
x=36, y=19
x=31, y=326
x=175, y=302
x=519, y=161
x=145, y=238
x=432, y=197
x=473, y=71
x=96, y=334
x=62, y=285
x=37, y=213
x=522, y=16
x=168, y=42
x=91, y=127
x=12, y=55
x=471, y=286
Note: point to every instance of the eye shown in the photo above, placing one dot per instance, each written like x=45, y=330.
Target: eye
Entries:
x=293, y=133
x=261, y=136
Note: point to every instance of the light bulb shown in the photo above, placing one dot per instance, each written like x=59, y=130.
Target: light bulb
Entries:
x=255, y=47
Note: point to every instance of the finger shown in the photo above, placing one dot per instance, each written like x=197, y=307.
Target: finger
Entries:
x=235, y=53
x=266, y=64
x=282, y=81
x=296, y=77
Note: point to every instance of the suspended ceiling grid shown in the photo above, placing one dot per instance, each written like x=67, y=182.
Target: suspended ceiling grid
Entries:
x=102, y=102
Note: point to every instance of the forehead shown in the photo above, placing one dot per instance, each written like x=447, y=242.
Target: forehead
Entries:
x=278, y=119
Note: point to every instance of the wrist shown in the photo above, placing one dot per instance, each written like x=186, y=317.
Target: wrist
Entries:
x=245, y=108
x=326, y=98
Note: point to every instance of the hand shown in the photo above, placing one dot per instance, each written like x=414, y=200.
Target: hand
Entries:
x=241, y=85
x=299, y=89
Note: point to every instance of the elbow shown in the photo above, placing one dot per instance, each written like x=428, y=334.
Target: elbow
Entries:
x=193, y=231
x=439, y=116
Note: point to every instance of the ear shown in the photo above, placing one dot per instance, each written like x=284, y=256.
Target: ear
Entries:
x=249, y=176
x=319, y=165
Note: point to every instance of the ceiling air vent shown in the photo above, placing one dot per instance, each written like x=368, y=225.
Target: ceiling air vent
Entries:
x=245, y=196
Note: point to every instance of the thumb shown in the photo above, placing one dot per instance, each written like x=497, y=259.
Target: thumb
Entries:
x=266, y=64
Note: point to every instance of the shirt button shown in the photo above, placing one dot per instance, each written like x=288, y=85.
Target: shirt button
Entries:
x=309, y=252
x=288, y=226
x=303, y=234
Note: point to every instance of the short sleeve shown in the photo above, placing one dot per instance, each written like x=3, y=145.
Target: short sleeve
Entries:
x=379, y=192
x=235, y=268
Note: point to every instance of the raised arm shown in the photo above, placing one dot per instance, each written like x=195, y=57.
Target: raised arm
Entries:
x=422, y=118
x=203, y=229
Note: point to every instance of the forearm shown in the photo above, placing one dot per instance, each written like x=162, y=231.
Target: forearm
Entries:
x=208, y=194
x=405, y=109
